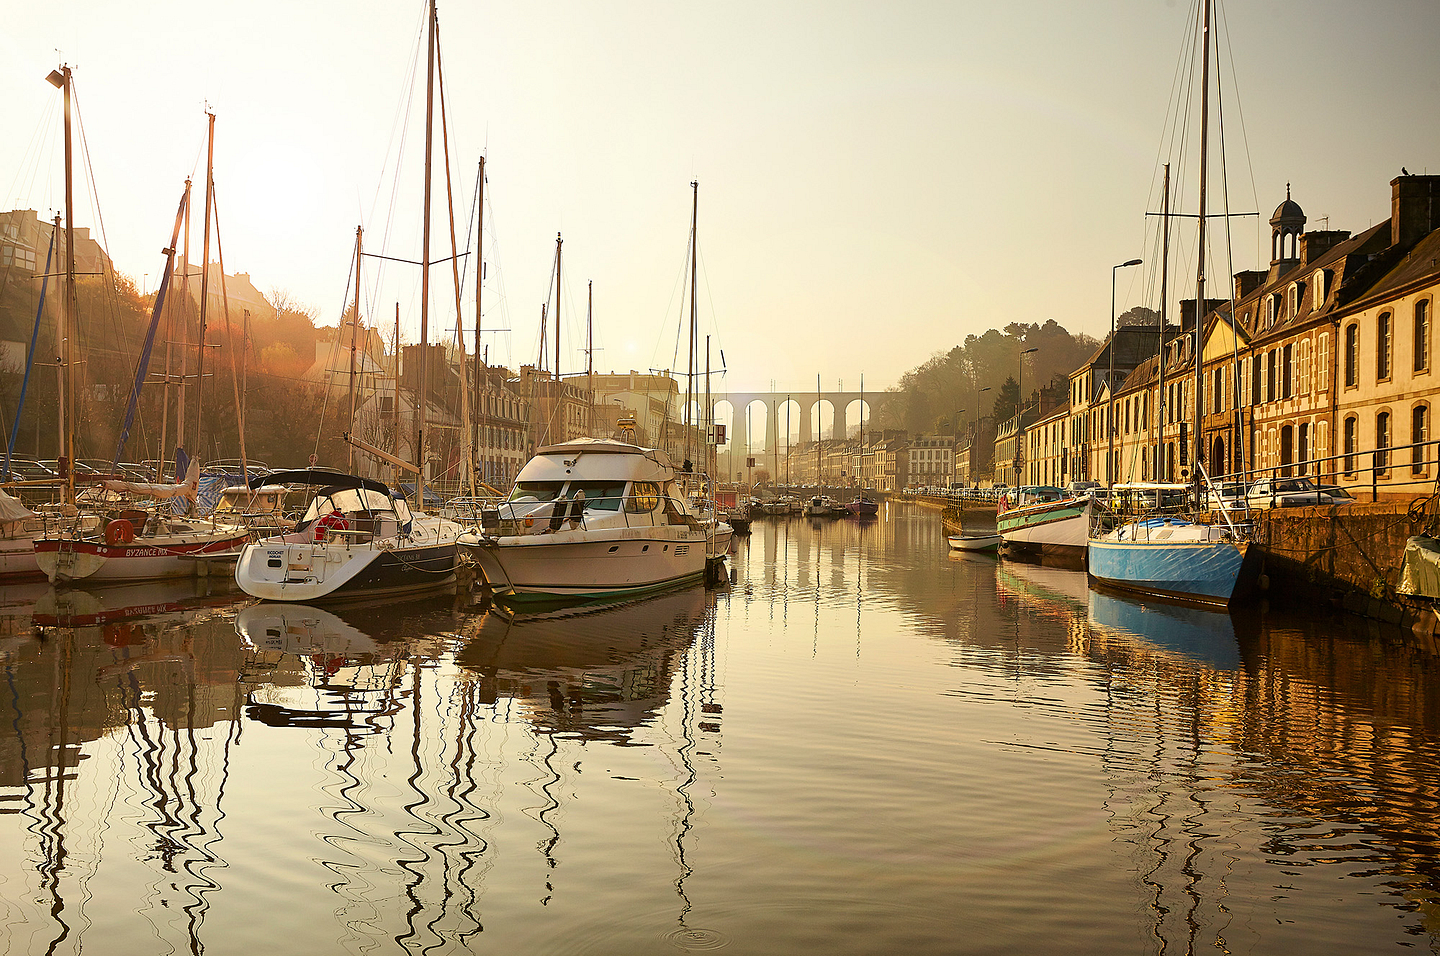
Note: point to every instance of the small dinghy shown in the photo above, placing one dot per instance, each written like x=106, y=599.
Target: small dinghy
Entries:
x=975, y=542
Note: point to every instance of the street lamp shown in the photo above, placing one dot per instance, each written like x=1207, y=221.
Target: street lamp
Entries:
x=1110, y=412
x=1020, y=421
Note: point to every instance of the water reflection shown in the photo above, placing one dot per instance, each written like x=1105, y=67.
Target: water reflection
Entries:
x=916, y=748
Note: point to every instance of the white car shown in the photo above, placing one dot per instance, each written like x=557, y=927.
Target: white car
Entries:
x=1286, y=493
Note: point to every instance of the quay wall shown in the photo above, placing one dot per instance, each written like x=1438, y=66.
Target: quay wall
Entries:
x=1350, y=555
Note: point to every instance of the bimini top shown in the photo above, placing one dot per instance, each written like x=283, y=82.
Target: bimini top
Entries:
x=320, y=477
x=597, y=459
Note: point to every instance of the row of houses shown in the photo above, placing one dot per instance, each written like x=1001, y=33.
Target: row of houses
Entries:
x=1323, y=365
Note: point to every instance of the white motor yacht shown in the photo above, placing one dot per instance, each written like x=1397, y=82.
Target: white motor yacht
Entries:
x=593, y=520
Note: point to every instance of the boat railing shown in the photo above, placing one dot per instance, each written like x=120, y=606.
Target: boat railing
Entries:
x=634, y=511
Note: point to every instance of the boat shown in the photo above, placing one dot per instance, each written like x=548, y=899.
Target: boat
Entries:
x=823, y=506
x=1043, y=518
x=975, y=542
x=356, y=539
x=863, y=507
x=1178, y=556
x=592, y=520
x=122, y=534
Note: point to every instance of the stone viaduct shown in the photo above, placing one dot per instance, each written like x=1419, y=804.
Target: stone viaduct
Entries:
x=775, y=402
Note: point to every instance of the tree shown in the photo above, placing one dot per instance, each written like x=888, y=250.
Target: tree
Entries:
x=1007, y=401
x=1139, y=315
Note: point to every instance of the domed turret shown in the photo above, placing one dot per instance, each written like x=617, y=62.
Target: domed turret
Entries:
x=1286, y=228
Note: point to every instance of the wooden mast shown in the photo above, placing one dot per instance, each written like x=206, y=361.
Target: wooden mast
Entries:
x=354, y=322
x=1198, y=401
x=199, y=450
x=66, y=439
x=420, y=402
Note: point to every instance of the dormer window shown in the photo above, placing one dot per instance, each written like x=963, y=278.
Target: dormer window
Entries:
x=1317, y=290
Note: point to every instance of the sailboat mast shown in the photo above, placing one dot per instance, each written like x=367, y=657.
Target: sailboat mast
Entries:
x=590, y=356
x=1160, y=405
x=204, y=297
x=690, y=375
x=68, y=320
x=479, y=285
x=354, y=322
x=1200, y=253
x=395, y=469
x=420, y=402
x=558, y=244
x=819, y=463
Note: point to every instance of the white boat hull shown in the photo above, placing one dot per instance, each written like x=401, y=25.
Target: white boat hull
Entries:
x=590, y=565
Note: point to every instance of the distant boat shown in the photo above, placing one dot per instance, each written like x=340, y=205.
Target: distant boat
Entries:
x=975, y=542
x=863, y=507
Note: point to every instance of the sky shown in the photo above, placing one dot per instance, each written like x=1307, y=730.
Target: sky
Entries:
x=876, y=180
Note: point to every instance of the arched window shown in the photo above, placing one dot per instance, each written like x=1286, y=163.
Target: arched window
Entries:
x=1352, y=429
x=1419, y=435
x=1317, y=290
x=1422, y=335
x=1382, y=442
x=1382, y=346
x=1352, y=355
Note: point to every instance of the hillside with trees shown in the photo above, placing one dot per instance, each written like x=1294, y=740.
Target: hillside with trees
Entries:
x=981, y=377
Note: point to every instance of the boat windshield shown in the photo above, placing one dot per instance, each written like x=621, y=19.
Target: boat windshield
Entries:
x=599, y=495
x=536, y=491
x=353, y=500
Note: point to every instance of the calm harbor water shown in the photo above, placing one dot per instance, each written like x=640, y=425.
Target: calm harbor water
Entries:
x=863, y=744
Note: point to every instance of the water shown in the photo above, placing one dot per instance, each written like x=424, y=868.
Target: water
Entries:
x=862, y=745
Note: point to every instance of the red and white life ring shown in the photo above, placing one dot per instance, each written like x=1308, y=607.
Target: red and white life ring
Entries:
x=332, y=521
x=119, y=531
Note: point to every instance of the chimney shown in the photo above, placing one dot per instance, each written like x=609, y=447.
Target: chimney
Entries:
x=1248, y=282
x=1315, y=244
x=1414, y=209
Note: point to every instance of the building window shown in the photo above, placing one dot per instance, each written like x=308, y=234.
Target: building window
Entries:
x=1317, y=288
x=1302, y=449
x=1422, y=335
x=1272, y=378
x=1382, y=442
x=1382, y=347
x=1287, y=449
x=1288, y=367
x=1352, y=355
x=1352, y=428
x=1419, y=435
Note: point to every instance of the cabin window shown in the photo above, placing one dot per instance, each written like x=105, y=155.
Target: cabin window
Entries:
x=599, y=495
x=1352, y=355
x=1352, y=428
x=1419, y=435
x=535, y=490
x=1422, y=335
x=1382, y=442
x=1382, y=347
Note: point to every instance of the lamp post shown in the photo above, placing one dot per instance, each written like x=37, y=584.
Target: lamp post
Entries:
x=1020, y=421
x=1110, y=381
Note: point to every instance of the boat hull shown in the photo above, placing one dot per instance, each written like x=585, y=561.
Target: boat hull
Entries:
x=975, y=542
x=332, y=571
x=589, y=566
x=1201, y=572
x=64, y=560
x=1054, y=524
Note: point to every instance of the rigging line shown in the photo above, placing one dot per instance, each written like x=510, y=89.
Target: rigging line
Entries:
x=230, y=336
x=333, y=357
x=1244, y=135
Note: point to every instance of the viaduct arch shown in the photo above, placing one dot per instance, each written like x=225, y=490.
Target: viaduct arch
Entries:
x=839, y=401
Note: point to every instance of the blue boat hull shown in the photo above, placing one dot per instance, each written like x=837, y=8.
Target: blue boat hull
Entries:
x=1205, y=572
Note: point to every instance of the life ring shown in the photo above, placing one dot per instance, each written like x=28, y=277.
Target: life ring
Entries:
x=334, y=520
x=119, y=531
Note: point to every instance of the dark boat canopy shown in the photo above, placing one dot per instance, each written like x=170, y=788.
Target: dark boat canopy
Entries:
x=321, y=477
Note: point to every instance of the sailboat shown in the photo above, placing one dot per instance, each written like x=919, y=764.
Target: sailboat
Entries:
x=118, y=534
x=1169, y=555
x=358, y=538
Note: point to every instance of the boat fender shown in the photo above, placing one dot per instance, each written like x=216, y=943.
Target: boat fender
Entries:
x=333, y=520
x=119, y=531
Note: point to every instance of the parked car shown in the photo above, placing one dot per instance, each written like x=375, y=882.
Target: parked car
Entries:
x=1338, y=493
x=1286, y=493
x=1229, y=495
x=1082, y=489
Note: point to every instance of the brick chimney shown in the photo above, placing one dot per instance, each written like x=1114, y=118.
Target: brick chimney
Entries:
x=1315, y=244
x=1248, y=282
x=1414, y=209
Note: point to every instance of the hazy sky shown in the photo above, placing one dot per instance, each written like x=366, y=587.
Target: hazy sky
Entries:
x=877, y=180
